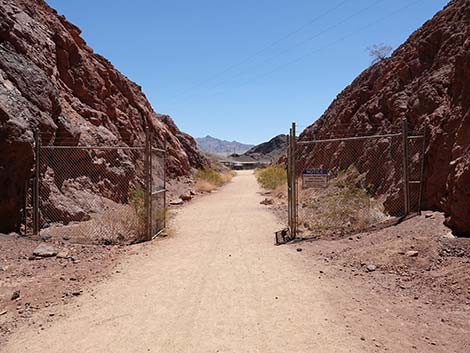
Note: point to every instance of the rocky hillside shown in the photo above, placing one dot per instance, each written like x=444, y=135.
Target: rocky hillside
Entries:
x=214, y=145
x=51, y=81
x=273, y=149
x=426, y=79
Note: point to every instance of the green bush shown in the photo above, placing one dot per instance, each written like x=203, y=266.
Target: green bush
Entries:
x=272, y=177
x=137, y=200
x=211, y=176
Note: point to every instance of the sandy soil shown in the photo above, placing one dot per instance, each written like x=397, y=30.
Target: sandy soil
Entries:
x=218, y=284
x=43, y=284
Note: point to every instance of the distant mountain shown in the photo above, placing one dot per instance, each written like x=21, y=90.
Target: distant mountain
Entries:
x=213, y=145
x=273, y=149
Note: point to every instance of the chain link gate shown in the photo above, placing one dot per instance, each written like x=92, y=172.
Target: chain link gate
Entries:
x=342, y=186
x=104, y=194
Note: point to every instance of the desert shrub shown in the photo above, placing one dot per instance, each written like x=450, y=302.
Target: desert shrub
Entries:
x=159, y=216
x=137, y=202
x=210, y=175
x=271, y=177
x=209, y=179
x=379, y=52
x=346, y=205
x=227, y=175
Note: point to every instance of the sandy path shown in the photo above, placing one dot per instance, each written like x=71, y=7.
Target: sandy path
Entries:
x=217, y=285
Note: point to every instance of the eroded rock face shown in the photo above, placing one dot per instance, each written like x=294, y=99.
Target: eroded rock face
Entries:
x=426, y=79
x=52, y=81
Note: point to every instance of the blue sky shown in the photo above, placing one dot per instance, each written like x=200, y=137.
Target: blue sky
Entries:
x=243, y=70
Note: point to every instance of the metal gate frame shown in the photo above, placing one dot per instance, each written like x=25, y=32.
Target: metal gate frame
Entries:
x=292, y=178
x=151, y=190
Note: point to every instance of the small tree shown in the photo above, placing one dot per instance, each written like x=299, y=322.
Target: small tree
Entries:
x=379, y=52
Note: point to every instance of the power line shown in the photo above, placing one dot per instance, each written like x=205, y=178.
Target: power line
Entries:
x=298, y=59
x=287, y=50
x=260, y=51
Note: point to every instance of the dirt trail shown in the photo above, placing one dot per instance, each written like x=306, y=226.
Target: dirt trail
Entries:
x=217, y=285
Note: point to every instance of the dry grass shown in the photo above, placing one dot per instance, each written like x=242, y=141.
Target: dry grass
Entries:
x=227, y=176
x=119, y=224
x=208, y=180
x=204, y=186
x=344, y=207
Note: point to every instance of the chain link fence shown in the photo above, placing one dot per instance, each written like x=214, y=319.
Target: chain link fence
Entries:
x=99, y=194
x=341, y=186
x=158, y=206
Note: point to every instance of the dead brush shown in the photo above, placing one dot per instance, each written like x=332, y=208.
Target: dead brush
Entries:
x=345, y=206
x=208, y=180
x=204, y=186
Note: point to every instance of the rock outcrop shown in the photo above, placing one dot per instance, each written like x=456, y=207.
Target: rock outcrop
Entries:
x=52, y=82
x=271, y=150
x=425, y=80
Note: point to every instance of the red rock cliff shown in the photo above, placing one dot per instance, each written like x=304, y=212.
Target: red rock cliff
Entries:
x=52, y=81
x=427, y=78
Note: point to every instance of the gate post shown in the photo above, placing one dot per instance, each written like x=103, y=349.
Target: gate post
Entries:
x=36, y=186
x=421, y=176
x=165, y=149
x=294, y=181
x=406, y=175
x=289, y=181
x=147, y=166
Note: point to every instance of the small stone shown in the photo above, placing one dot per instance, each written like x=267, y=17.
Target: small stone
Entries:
x=363, y=338
x=267, y=202
x=45, y=236
x=15, y=295
x=411, y=253
x=3, y=312
x=76, y=293
x=371, y=268
x=64, y=254
x=176, y=202
x=45, y=250
x=186, y=198
x=299, y=249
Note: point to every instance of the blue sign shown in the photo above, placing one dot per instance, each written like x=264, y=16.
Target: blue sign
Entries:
x=318, y=171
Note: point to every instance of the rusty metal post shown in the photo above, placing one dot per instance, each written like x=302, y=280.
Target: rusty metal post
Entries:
x=406, y=174
x=24, y=231
x=148, y=220
x=294, y=176
x=164, y=183
x=37, y=183
x=289, y=181
x=421, y=176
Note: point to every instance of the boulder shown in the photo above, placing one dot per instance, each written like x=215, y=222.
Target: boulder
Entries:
x=45, y=250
